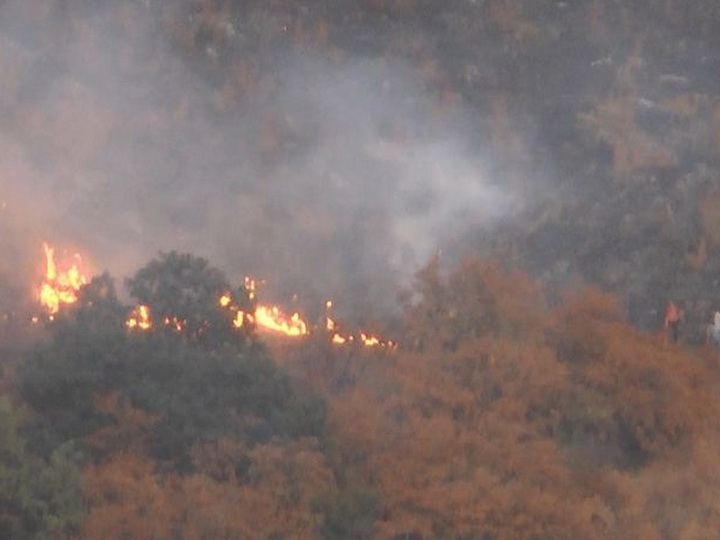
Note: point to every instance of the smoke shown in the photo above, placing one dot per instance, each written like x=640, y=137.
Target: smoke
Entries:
x=327, y=178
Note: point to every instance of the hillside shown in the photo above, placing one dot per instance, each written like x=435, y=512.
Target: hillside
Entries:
x=508, y=192
x=495, y=418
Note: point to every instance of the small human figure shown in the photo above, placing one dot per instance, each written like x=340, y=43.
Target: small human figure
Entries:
x=673, y=316
x=713, y=330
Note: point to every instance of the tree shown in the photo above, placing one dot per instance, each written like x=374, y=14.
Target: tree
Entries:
x=83, y=358
x=202, y=396
x=349, y=514
x=502, y=419
x=184, y=288
x=236, y=491
x=39, y=500
x=199, y=389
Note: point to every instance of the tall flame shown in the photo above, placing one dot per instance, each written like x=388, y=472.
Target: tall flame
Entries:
x=59, y=288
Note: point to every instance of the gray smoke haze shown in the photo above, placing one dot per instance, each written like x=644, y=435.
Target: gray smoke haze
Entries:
x=336, y=182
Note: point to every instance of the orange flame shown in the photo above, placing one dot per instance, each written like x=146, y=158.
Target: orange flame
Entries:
x=139, y=318
x=329, y=323
x=241, y=317
x=369, y=341
x=338, y=339
x=62, y=287
x=250, y=287
x=264, y=317
x=59, y=288
x=175, y=323
x=239, y=320
x=271, y=318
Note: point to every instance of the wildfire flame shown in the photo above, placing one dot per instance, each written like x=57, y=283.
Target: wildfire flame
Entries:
x=272, y=318
x=250, y=288
x=139, y=318
x=240, y=318
x=175, y=323
x=62, y=287
x=59, y=288
x=264, y=317
x=338, y=339
x=370, y=341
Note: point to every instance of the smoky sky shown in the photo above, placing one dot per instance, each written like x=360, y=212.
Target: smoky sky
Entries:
x=336, y=179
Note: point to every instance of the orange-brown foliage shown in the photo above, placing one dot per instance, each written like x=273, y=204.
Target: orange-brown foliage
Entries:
x=129, y=431
x=263, y=492
x=503, y=419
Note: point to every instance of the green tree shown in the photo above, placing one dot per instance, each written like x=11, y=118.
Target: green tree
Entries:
x=203, y=395
x=198, y=389
x=83, y=358
x=348, y=515
x=39, y=500
x=182, y=287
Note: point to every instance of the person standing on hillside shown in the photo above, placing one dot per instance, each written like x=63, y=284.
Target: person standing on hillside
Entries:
x=673, y=316
x=713, y=330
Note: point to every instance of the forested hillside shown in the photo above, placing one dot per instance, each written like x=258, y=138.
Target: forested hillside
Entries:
x=496, y=417
x=509, y=191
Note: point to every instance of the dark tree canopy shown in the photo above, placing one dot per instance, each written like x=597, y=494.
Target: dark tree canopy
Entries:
x=183, y=287
x=200, y=385
x=39, y=499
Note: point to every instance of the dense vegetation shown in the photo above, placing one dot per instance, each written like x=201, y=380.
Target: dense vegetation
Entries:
x=497, y=418
x=513, y=409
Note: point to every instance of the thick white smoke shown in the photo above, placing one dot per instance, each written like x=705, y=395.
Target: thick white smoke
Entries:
x=336, y=183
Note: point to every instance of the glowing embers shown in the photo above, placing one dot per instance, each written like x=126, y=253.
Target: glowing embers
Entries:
x=250, y=288
x=174, y=323
x=337, y=339
x=366, y=340
x=139, y=319
x=60, y=286
x=241, y=318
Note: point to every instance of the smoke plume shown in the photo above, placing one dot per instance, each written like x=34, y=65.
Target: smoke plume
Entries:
x=329, y=178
